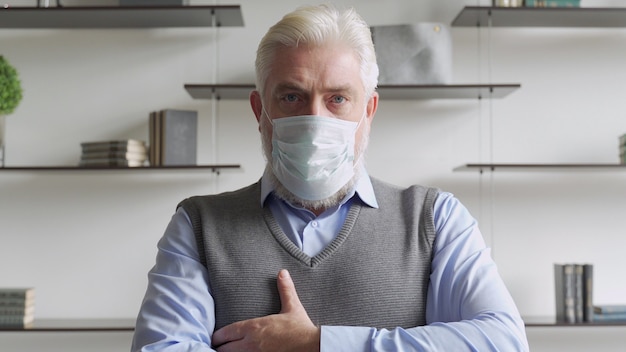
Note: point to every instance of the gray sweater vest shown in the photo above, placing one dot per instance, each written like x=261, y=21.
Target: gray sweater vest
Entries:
x=375, y=273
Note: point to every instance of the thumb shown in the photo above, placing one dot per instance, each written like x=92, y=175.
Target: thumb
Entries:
x=288, y=296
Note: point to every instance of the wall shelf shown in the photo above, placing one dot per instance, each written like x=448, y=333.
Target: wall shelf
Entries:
x=472, y=16
x=539, y=167
x=551, y=322
x=76, y=325
x=213, y=168
x=123, y=325
x=388, y=92
x=120, y=17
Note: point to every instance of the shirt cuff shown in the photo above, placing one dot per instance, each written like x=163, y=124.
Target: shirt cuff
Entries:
x=345, y=338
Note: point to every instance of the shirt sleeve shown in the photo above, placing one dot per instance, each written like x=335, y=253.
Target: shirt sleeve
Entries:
x=177, y=313
x=468, y=305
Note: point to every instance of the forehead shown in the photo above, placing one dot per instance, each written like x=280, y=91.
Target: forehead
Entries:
x=325, y=67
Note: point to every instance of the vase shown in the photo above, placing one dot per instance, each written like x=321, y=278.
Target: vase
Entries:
x=2, y=139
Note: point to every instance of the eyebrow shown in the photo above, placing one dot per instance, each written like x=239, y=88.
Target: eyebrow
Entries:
x=281, y=87
x=288, y=86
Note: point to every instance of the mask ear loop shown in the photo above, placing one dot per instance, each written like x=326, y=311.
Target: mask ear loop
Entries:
x=358, y=160
x=361, y=120
x=267, y=116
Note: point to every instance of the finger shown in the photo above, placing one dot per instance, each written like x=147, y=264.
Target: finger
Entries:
x=287, y=291
x=225, y=335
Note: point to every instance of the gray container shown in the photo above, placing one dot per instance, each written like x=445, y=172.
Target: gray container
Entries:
x=419, y=53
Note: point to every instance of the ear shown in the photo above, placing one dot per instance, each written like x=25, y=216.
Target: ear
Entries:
x=256, y=104
x=372, y=106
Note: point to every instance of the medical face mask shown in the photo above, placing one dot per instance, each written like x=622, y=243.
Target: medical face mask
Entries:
x=313, y=156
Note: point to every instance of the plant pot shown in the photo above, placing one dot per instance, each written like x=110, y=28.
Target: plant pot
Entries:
x=2, y=140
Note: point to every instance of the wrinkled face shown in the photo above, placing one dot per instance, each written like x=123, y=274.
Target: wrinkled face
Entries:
x=308, y=80
x=324, y=81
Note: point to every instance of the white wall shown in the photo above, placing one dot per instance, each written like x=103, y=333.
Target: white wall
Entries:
x=85, y=240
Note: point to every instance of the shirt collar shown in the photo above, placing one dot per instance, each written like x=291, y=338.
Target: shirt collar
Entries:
x=363, y=189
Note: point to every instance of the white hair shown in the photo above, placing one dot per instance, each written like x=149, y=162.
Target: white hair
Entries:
x=317, y=26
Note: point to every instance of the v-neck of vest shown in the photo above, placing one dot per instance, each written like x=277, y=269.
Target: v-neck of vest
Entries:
x=327, y=252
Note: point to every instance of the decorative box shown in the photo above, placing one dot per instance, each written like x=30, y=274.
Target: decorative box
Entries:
x=418, y=53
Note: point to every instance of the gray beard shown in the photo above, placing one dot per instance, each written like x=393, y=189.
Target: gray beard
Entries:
x=283, y=193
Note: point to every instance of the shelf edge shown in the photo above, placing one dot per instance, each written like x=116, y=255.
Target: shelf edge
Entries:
x=387, y=92
x=120, y=168
x=546, y=17
x=127, y=17
x=537, y=167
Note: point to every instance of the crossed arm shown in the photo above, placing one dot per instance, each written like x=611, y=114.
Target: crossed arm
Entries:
x=468, y=308
x=290, y=330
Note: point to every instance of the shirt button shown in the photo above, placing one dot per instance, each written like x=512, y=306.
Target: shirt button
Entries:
x=314, y=223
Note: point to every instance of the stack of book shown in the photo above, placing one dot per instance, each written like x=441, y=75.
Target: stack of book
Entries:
x=573, y=285
x=17, y=307
x=114, y=153
x=622, y=149
x=610, y=312
x=173, y=137
x=154, y=2
x=553, y=3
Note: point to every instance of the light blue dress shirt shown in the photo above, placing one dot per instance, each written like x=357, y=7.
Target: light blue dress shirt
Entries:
x=468, y=306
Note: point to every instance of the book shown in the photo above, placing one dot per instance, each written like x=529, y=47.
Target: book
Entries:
x=129, y=152
x=578, y=293
x=17, y=310
x=173, y=137
x=17, y=293
x=114, y=155
x=110, y=162
x=178, y=137
x=552, y=3
x=17, y=307
x=155, y=138
x=16, y=303
x=16, y=321
x=564, y=283
x=154, y=2
x=588, y=293
x=609, y=317
x=127, y=145
x=574, y=292
x=610, y=309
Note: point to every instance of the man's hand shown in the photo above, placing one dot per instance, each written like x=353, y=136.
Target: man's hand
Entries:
x=290, y=330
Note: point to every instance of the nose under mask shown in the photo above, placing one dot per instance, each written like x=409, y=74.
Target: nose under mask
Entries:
x=313, y=156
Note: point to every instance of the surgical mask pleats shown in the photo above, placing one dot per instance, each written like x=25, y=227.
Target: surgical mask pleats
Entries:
x=313, y=156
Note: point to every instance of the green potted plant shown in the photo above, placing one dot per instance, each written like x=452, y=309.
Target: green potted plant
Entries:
x=10, y=97
x=10, y=87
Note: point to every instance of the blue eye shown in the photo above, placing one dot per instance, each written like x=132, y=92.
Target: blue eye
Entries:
x=338, y=99
x=291, y=98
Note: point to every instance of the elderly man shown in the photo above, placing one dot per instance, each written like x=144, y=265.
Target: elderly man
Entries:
x=318, y=255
